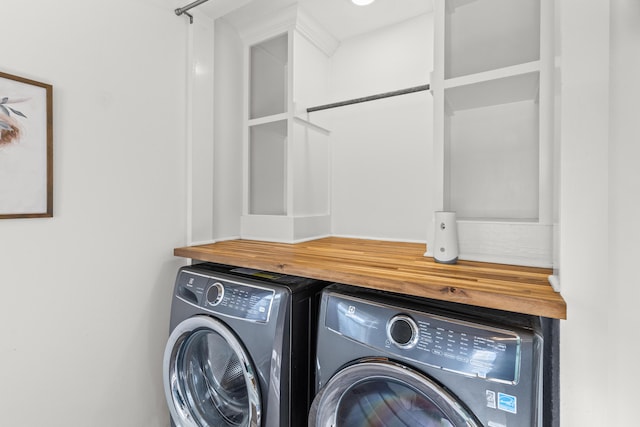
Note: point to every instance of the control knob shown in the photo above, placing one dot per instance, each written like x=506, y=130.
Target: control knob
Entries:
x=403, y=331
x=215, y=293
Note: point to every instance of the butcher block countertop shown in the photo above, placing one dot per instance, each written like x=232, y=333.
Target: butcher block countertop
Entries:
x=394, y=267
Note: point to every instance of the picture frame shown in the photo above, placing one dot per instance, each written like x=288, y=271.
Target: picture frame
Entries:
x=26, y=148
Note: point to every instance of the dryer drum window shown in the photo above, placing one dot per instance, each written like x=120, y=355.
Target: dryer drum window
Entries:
x=384, y=393
x=213, y=382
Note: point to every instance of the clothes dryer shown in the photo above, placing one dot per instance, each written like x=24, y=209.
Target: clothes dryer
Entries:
x=393, y=361
x=239, y=349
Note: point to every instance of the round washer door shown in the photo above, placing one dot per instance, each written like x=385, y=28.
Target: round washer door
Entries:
x=209, y=379
x=378, y=392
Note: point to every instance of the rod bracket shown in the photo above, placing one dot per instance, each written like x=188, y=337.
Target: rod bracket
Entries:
x=182, y=12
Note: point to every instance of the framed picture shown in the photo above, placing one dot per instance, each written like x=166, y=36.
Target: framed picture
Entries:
x=26, y=148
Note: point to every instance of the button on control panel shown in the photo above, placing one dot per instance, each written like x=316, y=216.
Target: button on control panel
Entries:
x=227, y=297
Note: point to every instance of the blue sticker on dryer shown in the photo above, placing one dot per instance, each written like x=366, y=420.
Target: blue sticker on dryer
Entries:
x=507, y=403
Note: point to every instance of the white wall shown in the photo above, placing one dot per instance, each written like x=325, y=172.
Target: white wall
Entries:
x=584, y=236
x=85, y=294
x=380, y=149
x=228, y=103
x=200, y=130
x=600, y=207
x=624, y=212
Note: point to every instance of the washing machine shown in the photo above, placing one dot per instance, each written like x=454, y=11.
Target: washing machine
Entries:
x=393, y=361
x=239, y=349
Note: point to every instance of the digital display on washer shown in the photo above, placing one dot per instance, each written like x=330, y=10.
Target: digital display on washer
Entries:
x=458, y=346
x=226, y=297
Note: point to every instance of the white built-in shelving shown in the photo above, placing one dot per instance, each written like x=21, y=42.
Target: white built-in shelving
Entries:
x=286, y=160
x=492, y=126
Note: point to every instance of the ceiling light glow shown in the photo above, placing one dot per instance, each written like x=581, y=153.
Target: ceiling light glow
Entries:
x=362, y=2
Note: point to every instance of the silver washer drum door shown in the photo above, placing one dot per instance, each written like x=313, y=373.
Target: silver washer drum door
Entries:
x=209, y=379
x=378, y=392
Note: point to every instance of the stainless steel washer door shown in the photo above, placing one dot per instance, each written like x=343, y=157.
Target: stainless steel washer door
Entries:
x=378, y=392
x=209, y=379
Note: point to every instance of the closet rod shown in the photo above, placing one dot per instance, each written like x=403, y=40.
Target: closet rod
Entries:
x=183, y=10
x=369, y=98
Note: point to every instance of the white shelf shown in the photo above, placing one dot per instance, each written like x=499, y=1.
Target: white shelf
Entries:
x=268, y=119
x=504, y=90
x=310, y=125
x=499, y=73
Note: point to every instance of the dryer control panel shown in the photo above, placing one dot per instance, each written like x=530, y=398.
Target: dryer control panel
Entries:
x=225, y=296
x=454, y=345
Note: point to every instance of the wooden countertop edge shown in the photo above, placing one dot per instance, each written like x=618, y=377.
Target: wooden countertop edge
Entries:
x=521, y=290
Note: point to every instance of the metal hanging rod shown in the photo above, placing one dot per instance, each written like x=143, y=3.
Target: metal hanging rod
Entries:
x=369, y=98
x=183, y=10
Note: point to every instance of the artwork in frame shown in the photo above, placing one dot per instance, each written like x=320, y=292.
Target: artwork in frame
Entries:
x=26, y=148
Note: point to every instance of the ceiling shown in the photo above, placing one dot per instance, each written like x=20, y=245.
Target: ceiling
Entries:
x=340, y=18
x=343, y=19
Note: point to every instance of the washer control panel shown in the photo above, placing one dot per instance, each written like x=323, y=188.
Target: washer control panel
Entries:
x=226, y=297
x=464, y=347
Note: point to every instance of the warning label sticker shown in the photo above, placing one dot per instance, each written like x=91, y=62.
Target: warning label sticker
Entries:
x=491, y=399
